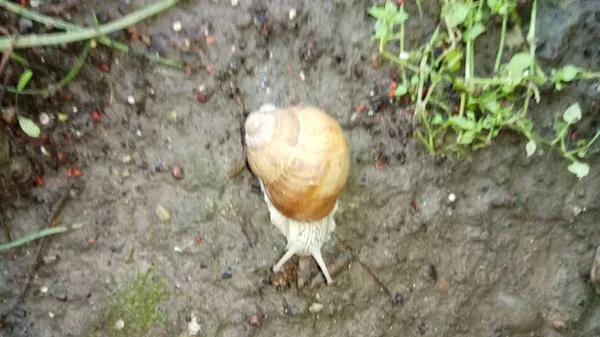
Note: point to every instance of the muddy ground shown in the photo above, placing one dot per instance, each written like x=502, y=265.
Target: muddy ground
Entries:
x=509, y=257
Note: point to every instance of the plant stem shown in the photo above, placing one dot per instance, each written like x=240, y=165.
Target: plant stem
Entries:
x=40, y=234
x=501, y=46
x=34, y=40
x=51, y=89
x=50, y=21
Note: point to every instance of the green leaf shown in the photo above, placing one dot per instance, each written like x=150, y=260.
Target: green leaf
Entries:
x=467, y=137
x=579, y=169
x=569, y=72
x=530, y=148
x=462, y=123
x=474, y=32
x=29, y=127
x=452, y=60
x=400, y=17
x=457, y=13
x=559, y=125
x=377, y=12
x=487, y=123
x=24, y=79
x=437, y=119
x=401, y=90
x=573, y=114
x=414, y=80
x=519, y=63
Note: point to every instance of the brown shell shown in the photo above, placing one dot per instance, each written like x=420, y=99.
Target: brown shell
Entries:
x=302, y=157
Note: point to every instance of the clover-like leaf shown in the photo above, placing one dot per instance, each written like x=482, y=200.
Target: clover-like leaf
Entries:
x=457, y=13
x=579, y=169
x=29, y=127
x=519, y=63
x=401, y=90
x=569, y=72
x=400, y=17
x=474, y=32
x=573, y=113
x=530, y=148
x=467, y=137
x=437, y=119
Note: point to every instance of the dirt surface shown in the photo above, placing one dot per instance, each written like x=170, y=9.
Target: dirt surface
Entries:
x=510, y=256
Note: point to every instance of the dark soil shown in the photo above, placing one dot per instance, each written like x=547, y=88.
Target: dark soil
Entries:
x=511, y=256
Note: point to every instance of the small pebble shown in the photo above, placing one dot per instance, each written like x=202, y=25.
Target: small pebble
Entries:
x=18, y=312
x=193, y=326
x=50, y=314
x=251, y=243
x=162, y=213
x=138, y=132
x=61, y=295
x=254, y=320
x=292, y=14
x=177, y=249
x=302, y=76
x=234, y=3
x=131, y=99
x=44, y=290
x=120, y=324
x=177, y=26
x=34, y=3
x=226, y=274
x=44, y=118
x=177, y=172
x=398, y=298
x=315, y=307
x=452, y=197
x=558, y=324
x=203, y=265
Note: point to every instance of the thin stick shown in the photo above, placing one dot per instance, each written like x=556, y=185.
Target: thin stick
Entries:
x=35, y=40
x=40, y=234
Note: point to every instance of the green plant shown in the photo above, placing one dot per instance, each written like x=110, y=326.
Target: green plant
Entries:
x=136, y=304
x=458, y=111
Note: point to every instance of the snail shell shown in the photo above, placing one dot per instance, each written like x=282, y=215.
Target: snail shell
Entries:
x=302, y=157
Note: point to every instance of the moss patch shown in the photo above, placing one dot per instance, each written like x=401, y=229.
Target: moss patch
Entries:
x=136, y=304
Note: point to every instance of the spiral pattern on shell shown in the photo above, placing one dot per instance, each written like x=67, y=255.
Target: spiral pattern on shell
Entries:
x=302, y=157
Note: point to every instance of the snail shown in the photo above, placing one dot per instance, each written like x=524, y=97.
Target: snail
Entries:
x=595, y=270
x=301, y=158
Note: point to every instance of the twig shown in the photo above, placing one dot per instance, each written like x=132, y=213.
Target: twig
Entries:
x=34, y=40
x=346, y=247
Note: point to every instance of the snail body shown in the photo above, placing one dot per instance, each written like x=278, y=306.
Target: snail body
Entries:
x=301, y=158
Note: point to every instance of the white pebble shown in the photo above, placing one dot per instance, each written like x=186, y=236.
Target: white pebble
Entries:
x=75, y=109
x=302, y=76
x=34, y=3
x=451, y=197
x=234, y=3
x=193, y=326
x=138, y=132
x=315, y=307
x=44, y=290
x=120, y=324
x=44, y=118
x=177, y=26
x=131, y=100
x=50, y=314
x=293, y=14
x=404, y=55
